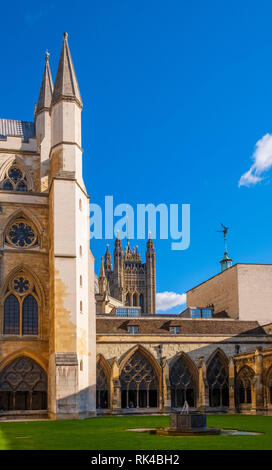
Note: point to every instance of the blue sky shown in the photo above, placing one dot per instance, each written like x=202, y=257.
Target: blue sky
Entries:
x=176, y=95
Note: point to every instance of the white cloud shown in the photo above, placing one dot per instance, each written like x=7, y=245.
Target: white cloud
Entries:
x=167, y=300
x=262, y=158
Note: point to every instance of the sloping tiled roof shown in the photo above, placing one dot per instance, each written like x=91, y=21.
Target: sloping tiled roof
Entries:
x=107, y=326
x=22, y=129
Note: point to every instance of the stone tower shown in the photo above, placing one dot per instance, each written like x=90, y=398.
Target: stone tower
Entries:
x=132, y=281
x=47, y=311
x=72, y=358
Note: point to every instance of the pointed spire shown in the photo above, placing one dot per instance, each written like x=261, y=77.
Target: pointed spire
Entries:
x=66, y=86
x=108, y=263
x=46, y=91
x=150, y=244
x=102, y=269
x=102, y=281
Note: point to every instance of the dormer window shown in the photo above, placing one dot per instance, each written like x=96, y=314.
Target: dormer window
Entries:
x=133, y=329
x=175, y=330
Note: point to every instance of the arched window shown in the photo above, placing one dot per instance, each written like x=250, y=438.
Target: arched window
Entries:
x=102, y=387
x=7, y=186
x=30, y=316
x=182, y=384
x=127, y=299
x=139, y=384
x=134, y=300
x=23, y=386
x=218, y=381
x=15, y=180
x=11, y=316
x=244, y=385
x=21, y=306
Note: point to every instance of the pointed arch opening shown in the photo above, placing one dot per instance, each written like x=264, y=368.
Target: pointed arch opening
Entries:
x=30, y=316
x=139, y=381
x=244, y=385
x=268, y=384
x=21, y=304
x=102, y=384
x=23, y=385
x=127, y=299
x=218, y=380
x=11, y=315
x=183, y=381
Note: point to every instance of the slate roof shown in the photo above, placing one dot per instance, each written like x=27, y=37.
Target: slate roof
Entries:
x=10, y=127
x=115, y=326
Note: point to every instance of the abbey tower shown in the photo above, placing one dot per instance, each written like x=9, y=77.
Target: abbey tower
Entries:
x=132, y=281
x=47, y=271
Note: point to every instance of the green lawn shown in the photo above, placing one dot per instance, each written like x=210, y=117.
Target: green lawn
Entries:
x=110, y=433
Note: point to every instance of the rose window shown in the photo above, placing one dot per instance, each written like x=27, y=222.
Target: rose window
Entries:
x=21, y=285
x=21, y=234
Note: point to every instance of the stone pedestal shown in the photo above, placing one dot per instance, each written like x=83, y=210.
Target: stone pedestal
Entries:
x=190, y=421
x=192, y=424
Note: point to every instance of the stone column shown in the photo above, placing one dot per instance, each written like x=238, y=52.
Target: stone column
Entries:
x=258, y=404
x=63, y=386
x=231, y=386
x=166, y=389
x=203, y=389
x=115, y=390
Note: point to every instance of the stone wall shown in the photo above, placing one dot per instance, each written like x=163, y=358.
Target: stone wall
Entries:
x=221, y=291
x=242, y=291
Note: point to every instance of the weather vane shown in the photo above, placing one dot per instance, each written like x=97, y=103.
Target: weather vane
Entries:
x=224, y=231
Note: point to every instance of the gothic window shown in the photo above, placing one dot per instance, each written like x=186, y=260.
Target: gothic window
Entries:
x=23, y=386
x=21, y=234
x=21, y=306
x=134, y=300
x=244, y=385
x=102, y=387
x=11, y=316
x=15, y=180
x=182, y=384
x=7, y=186
x=127, y=299
x=30, y=316
x=218, y=381
x=139, y=385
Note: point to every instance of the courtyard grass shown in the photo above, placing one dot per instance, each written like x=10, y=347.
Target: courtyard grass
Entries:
x=108, y=433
